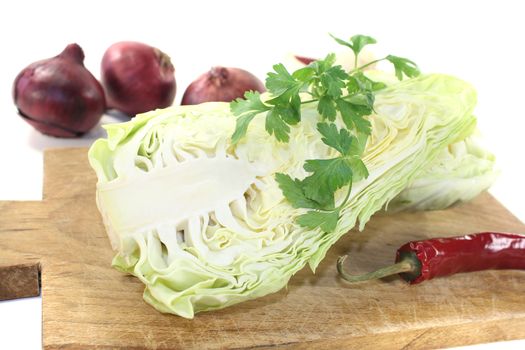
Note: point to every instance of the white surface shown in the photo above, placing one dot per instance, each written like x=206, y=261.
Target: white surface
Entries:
x=482, y=42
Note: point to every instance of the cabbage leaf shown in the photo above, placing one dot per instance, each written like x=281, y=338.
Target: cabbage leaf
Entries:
x=459, y=173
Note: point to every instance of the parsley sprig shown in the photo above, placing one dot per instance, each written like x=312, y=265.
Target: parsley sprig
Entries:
x=338, y=93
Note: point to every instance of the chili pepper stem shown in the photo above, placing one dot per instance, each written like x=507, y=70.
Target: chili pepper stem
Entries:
x=405, y=265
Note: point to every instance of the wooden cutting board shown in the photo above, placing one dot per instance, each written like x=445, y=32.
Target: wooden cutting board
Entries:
x=87, y=304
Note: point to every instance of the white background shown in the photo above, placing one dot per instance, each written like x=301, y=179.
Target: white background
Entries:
x=479, y=41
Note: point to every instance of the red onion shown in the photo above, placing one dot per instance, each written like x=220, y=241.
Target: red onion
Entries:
x=305, y=60
x=137, y=78
x=58, y=96
x=221, y=84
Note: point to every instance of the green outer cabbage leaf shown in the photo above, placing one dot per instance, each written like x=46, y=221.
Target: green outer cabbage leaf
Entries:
x=459, y=173
x=204, y=256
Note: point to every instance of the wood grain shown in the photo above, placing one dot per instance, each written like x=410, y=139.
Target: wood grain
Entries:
x=88, y=305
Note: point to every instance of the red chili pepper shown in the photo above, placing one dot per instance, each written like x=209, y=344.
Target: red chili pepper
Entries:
x=418, y=261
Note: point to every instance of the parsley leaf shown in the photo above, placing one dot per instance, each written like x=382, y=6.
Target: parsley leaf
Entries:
x=340, y=140
x=321, y=66
x=359, y=170
x=357, y=42
x=360, y=41
x=403, y=66
x=333, y=80
x=282, y=81
x=342, y=42
x=304, y=74
x=293, y=190
x=328, y=175
x=327, y=80
x=251, y=102
x=246, y=109
x=326, y=107
x=352, y=115
x=358, y=144
x=353, y=85
x=276, y=126
x=287, y=107
x=327, y=221
x=241, y=126
x=366, y=84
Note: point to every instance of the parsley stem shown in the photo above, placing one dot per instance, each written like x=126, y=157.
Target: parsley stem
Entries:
x=340, y=206
x=309, y=101
x=367, y=65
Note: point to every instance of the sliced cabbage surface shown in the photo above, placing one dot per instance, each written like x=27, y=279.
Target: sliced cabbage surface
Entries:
x=204, y=225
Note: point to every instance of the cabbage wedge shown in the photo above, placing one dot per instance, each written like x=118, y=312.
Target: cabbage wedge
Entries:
x=203, y=224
